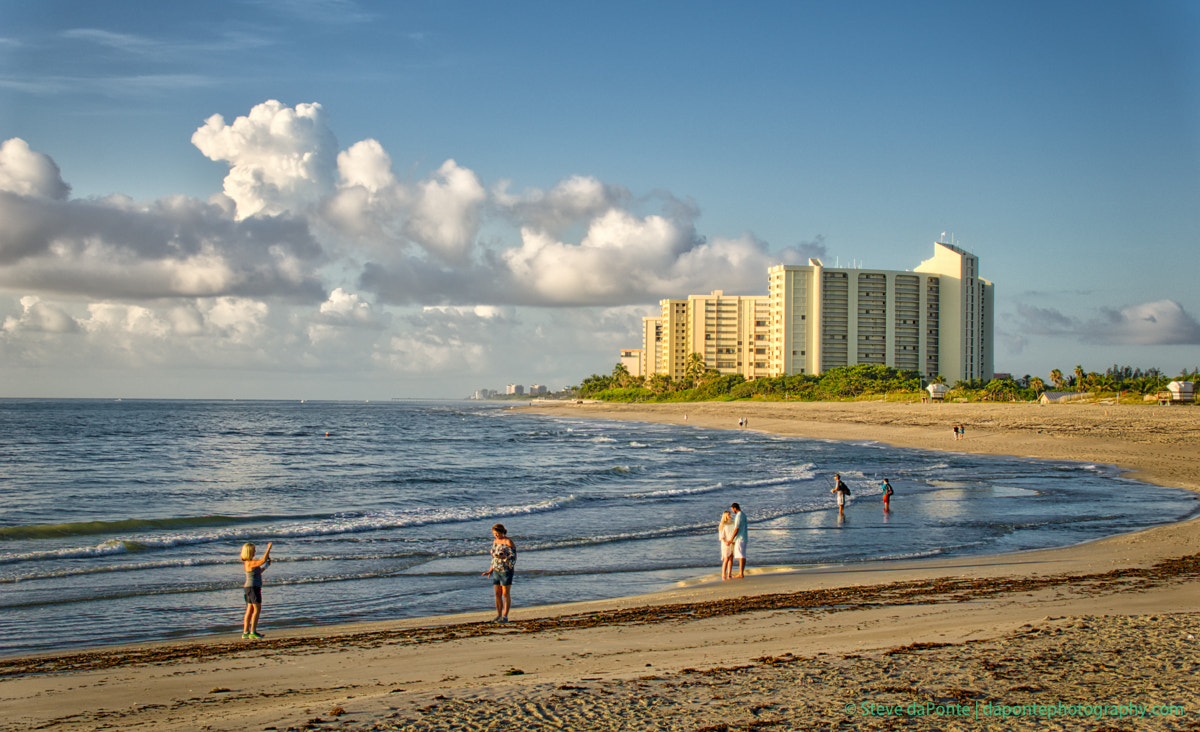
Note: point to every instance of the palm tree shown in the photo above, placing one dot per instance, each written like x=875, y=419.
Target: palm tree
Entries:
x=695, y=367
x=660, y=383
x=1079, y=374
x=1057, y=377
x=1037, y=385
x=621, y=375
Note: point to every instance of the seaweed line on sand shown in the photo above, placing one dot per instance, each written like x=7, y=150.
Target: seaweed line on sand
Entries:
x=919, y=592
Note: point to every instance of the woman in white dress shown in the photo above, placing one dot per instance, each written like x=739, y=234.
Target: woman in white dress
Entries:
x=725, y=534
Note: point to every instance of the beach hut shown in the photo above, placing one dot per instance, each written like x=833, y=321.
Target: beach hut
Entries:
x=937, y=392
x=1181, y=392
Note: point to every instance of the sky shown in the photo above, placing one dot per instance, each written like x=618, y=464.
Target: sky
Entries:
x=330, y=199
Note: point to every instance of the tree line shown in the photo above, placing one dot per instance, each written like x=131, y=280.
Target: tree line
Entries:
x=699, y=383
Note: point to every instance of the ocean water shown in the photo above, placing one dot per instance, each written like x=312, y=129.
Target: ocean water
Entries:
x=122, y=520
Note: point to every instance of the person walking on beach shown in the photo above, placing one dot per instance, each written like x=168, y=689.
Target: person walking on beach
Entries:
x=253, y=587
x=955, y=433
x=962, y=432
x=887, y=494
x=738, y=540
x=841, y=490
x=725, y=534
x=504, y=563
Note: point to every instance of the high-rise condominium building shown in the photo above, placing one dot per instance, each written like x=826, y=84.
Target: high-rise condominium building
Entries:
x=936, y=319
x=730, y=332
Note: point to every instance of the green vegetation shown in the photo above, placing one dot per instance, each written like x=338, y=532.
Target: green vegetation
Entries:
x=864, y=381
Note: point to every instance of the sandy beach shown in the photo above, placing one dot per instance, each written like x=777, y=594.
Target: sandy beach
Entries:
x=1100, y=636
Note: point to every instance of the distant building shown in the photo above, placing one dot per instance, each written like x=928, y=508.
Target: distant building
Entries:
x=936, y=319
x=1063, y=397
x=634, y=361
x=730, y=332
x=515, y=389
x=538, y=389
x=484, y=394
x=651, y=345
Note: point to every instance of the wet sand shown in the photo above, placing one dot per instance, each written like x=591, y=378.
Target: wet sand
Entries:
x=1097, y=636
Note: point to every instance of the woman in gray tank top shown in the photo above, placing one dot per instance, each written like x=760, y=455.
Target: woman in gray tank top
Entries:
x=253, y=587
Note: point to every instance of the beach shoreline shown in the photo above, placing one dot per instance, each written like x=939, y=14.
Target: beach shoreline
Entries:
x=655, y=657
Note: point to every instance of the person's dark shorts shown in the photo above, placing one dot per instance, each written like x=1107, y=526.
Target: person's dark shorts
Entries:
x=253, y=595
x=502, y=577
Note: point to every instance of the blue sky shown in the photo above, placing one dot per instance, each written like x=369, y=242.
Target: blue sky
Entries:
x=330, y=199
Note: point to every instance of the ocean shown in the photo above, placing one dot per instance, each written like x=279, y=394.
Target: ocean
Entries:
x=122, y=520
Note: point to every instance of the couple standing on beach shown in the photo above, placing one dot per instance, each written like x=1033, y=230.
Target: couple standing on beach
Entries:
x=732, y=533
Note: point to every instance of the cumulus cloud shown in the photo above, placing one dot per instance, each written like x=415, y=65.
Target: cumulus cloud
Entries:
x=41, y=317
x=415, y=242
x=299, y=222
x=231, y=319
x=436, y=218
x=117, y=247
x=28, y=173
x=345, y=308
x=366, y=165
x=623, y=257
x=571, y=201
x=280, y=158
x=1160, y=323
x=445, y=213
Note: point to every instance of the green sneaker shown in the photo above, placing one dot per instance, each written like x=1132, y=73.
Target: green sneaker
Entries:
x=245, y=635
x=253, y=635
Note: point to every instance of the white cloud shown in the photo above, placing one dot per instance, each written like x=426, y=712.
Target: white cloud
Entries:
x=483, y=312
x=439, y=215
x=345, y=308
x=38, y=316
x=281, y=158
x=1159, y=323
x=574, y=200
x=366, y=164
x=131, y=320
x=627, y=259
x=445, y=212
x=301, y=263
x=28, y=173
x=175, y=246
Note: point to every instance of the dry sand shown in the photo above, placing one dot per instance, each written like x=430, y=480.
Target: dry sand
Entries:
x=1101, y=636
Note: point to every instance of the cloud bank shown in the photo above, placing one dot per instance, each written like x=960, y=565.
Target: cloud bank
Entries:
x=317, y=257
x=293, y=205
x=314, y=256
x=1159, y=323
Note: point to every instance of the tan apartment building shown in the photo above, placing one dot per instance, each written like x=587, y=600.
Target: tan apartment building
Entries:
x=651, y=345
x=935, y=319
x=673, y=344
x=634, y=361
x=731, y=333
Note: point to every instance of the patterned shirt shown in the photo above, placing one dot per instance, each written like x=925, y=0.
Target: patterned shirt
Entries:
x=504, y=557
